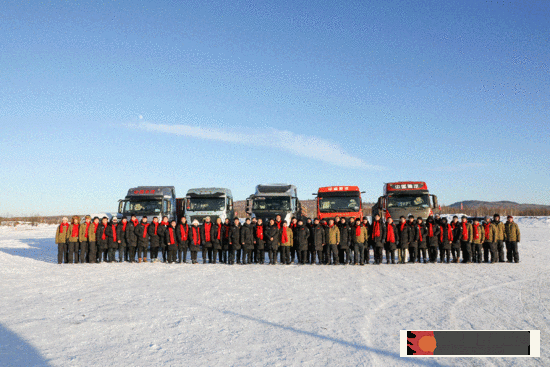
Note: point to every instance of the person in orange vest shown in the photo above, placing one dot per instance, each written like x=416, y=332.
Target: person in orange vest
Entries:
x=61, y=240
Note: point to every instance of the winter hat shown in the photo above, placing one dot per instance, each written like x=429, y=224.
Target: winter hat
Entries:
x=95, y=218
x=115, y=219
x=65, y=218
x=144, y=217
x=88, y=217
x=510, y=217
x=455, y=216
x=496, y=215
x=195, y=222
x=464, y=217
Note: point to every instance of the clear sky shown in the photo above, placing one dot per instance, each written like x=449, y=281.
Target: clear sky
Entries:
x=97, y=97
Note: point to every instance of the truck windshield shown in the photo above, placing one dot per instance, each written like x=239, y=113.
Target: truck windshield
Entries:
x=206, y=204
x=143, y=207
x=275, y=203
x=401, y=201
x=335, y=204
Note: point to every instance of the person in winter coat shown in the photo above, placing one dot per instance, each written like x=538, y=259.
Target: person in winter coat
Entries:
x=310, y=246
x=465, y=240
x=182, y=235
x=457, y=232
x=478, y=236
x=513, y=236
x=142, y=235
x=390, y=245
x=112, y=239
x=235, y=242
x=489, y=245
x=195, y=240
x=225, y=242
x=368, y=243
x=84, y=240
x=302, y=240
x=421, y=242
x=61, y=235
x=102, y=240
x=207, y=236
x=378, y=235
x=72, y=239
x=343, y=248
x=333, y=240
x=432, y=230
x=121, y=237
x=259, y=241
x=318, y=235
x=131, y=239
x=445, y=240
x=217, y=241
x=171, y=241
x=272, y=241
x=294, y=247
x=359, y=236
x=154, y=239
x=404, y=230
x=286, y=238
x=162, y=233
x=499, y=237
x=247, y=241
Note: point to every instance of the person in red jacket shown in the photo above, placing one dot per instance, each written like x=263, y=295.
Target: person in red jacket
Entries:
x=391, y=241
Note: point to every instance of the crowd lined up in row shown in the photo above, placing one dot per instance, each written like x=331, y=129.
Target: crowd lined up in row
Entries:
x=338, y=241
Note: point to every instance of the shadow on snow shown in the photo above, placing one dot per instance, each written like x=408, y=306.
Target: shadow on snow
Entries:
x=41, y=249
x=14, y=351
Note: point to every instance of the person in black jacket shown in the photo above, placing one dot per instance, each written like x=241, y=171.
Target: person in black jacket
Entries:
x=368, y=242
x=154, y=239
x=121, y=237
x=131, y=239
x=445, y=240
x=102, y=240
x=207, y=235
x=195, y=240
x=404, y=231
x=294, y=253
x=319, y=241
x=162, y=232
x=113, y=240
x=272, y=244
x=235, y=242
x=310, y=247
x=225, y=241
x=457, y=232
x=142, y=235
x=217, y=241
x=259, y=241
x=302, y=232
x=378, y=235
x=171, y=241
x=343, y=247
x=421, y=240
x=182, y=234
x=247, y=242
x=432, y=230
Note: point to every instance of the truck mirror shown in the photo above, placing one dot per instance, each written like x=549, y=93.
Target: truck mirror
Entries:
x=168, y=207
x=356, y=208
x=121, y=206
x=248, y=206
x=434, y=200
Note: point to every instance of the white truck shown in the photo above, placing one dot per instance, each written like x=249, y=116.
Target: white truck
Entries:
x=210, y=202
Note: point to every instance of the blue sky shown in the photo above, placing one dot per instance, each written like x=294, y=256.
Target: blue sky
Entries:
x=99, y=97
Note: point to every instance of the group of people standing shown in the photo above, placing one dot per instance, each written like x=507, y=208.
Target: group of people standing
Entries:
x=338, y=241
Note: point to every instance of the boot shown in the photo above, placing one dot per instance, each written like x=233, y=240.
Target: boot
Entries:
x=140, y=260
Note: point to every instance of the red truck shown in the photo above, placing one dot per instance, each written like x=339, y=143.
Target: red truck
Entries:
x=341, y=201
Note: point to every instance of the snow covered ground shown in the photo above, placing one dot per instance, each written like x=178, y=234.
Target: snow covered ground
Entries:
x=218, y=315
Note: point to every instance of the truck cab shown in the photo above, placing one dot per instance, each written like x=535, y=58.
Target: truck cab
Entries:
x=341, y=201
x=404, y=199
x=150, y=201
x=274, y=199
x=210, y=202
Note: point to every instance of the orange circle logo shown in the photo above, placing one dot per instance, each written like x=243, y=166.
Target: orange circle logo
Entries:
x=427, y=343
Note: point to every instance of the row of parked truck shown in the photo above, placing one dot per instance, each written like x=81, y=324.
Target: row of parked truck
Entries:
x=268, y=201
